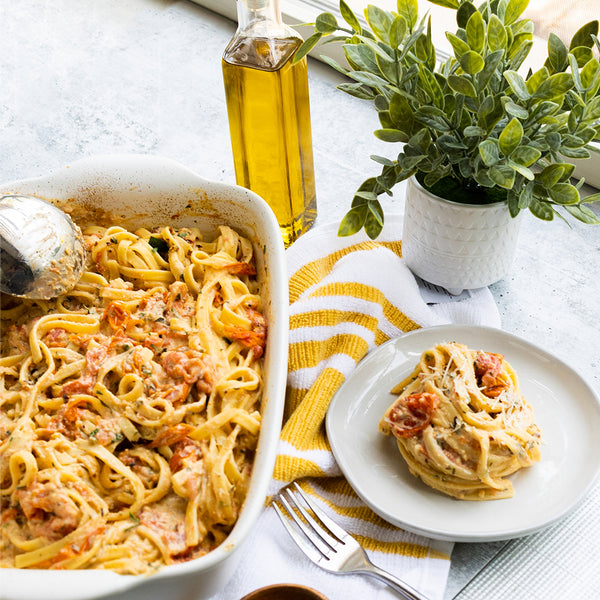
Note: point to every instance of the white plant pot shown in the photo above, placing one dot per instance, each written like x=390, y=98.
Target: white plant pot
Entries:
x=457, y=246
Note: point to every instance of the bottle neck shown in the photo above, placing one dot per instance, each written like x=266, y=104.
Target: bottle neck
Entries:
x=256, y=13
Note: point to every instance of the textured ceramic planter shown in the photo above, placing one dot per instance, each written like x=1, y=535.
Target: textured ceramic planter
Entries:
x=457, y=246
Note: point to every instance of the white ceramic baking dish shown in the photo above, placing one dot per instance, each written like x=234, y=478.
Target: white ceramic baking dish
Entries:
x=140, y=190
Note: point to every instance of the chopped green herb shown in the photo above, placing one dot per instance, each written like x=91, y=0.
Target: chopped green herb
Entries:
x=161, y=246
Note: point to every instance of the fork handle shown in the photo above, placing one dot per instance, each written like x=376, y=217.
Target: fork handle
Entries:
x=406, y=591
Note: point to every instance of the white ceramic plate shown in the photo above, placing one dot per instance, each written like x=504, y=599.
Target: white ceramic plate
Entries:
x=566, y=408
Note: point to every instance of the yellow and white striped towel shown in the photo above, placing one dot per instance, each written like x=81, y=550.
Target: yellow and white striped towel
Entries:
x=347, y=296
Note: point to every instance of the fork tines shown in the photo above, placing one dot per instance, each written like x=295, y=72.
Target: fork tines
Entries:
x=326, y=543
x=323, y=533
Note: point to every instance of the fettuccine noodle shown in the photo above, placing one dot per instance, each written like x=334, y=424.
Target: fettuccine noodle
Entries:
x=462, y=424
x=130, y=407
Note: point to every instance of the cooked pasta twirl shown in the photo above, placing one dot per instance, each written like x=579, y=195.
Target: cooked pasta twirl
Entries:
x=462, y=424
x=131, y=406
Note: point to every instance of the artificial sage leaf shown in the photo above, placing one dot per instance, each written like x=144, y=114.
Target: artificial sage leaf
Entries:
x=574, y=152
x=308, y=44
x=519, y=53
x=382, y=160
x=397, y=31
x=361, y=57
x=409, y=9
x=386, y=180
x=583, y=214
x=349, y=17
x=420, y=141
x=473, y=131
x=497, y=37
x=459, y=46
x=543, y=109
x=385, y=119
x=514, y=110
x=488, y=150
x=449, y=143
x=536, y=79
x=514, y=9
x=374, y=220
x=557, y=53
x=401, y=113
x=564, y=193
x=503, y=176
x=391, y=135
x=357, y=90
x=572, y=141
x=389, y=69
x=462, y=85
x=517, y=85
x=432, y=86
x=379, y=49
x=380, y=22
x=369, y=79
x=492, y=60
x=465, y=167
x=489, y=113
x=475, y=32
x=588, y=134
x=591, y=112
x=590, y=76
x=553, y=140
x=432, y=117
x=525, y=196
x=471, y=62
x=422, y=48
x=525, y=155
x=583, y=36
x=464, y=12
x=550, y=175
x=353, y=221
x=446, y=3
x=591, y=198
x=541, y=209
x=482, y=177
x=326, y=23
x=364, y=196
x=511, y=136
x=583, y=54
x=524, y=171
x=332, y=63
x=381, y=102
x=513, y=204
x=554, y=86
x=410, y=162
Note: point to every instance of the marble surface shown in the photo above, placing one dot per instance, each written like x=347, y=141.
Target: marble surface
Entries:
x=87, y=77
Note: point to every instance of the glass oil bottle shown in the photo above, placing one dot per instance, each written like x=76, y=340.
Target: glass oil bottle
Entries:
x=269, y=115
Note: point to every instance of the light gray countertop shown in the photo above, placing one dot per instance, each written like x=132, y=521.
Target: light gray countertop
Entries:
x=88, y=77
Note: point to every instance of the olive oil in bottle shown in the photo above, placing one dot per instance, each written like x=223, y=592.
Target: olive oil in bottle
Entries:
x=269, y=115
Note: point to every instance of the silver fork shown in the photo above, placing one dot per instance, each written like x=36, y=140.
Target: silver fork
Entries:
x=328, y=545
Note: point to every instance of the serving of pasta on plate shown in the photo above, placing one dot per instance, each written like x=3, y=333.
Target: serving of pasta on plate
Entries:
x=131, y=406
x=462, y=424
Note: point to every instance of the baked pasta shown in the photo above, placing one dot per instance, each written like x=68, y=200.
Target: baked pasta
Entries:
x=130, y=407
x=462, y=424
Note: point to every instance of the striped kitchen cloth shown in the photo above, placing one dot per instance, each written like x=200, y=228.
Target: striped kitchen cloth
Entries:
x=347, y=296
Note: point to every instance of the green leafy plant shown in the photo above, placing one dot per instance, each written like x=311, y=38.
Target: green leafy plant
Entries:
x=472, y=128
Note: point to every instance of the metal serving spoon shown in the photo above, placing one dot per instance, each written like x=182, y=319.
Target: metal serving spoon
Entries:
x=41, y=250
